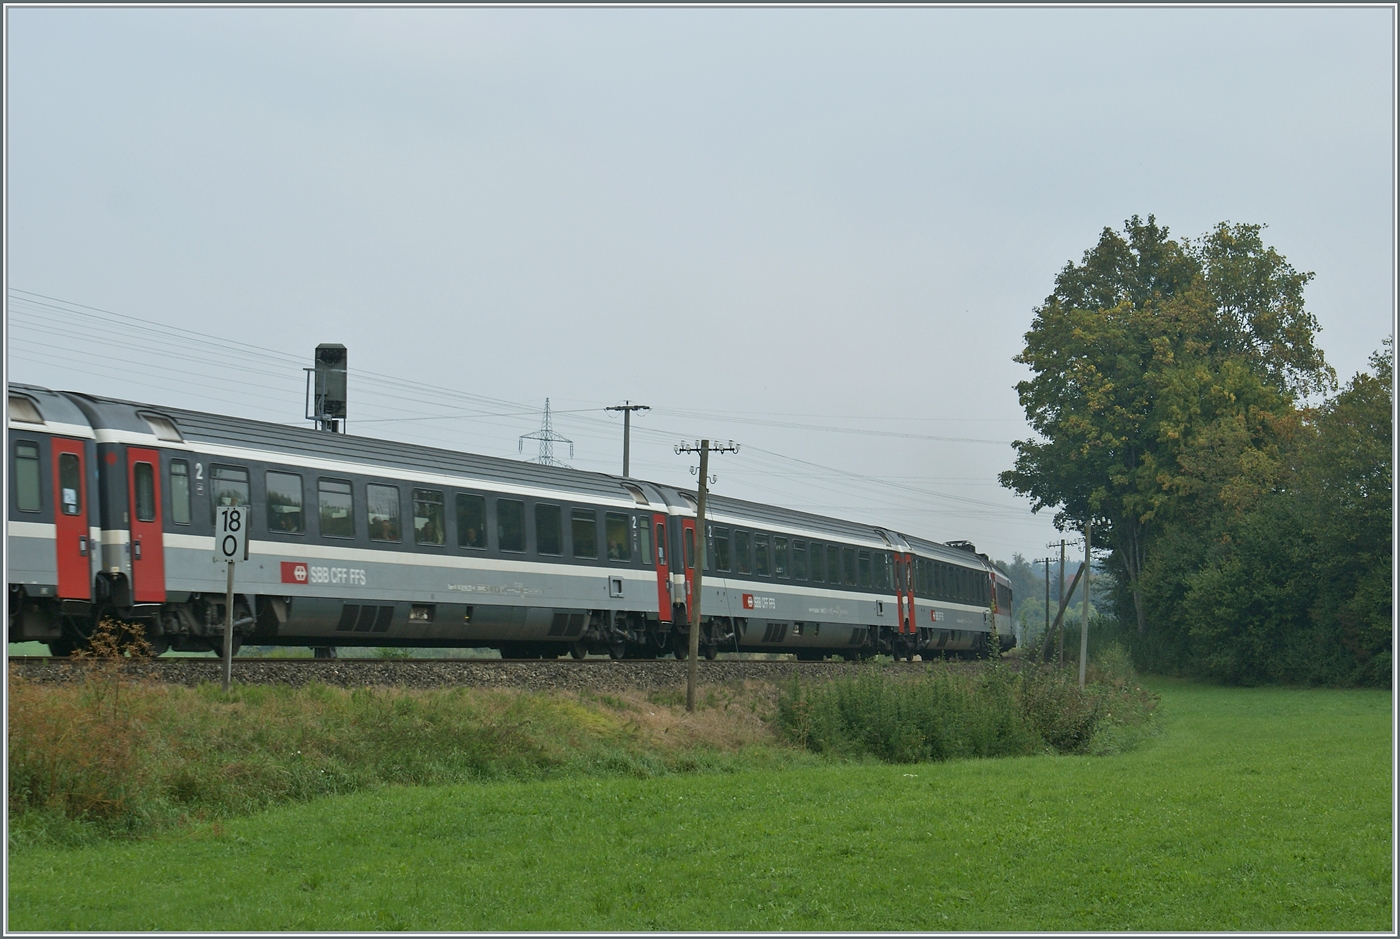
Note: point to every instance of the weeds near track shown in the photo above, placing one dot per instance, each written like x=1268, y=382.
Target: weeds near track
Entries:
x=947, y=713
x=106, y=756
x=80, y=755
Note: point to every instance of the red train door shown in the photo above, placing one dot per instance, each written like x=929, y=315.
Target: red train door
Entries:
x=899, y=575
x=147, y=545
x=71, y=535
x=688, y=547
x=663, y=570
x=909, y=594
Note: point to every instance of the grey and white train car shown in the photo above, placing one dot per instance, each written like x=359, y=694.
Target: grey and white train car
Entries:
x=958, y=595
x=777, y=580
x=356, y=541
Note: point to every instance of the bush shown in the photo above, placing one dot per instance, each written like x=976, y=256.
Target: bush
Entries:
x=944, y=713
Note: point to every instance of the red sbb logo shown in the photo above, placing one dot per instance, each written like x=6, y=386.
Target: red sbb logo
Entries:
x=293, y=572
x=759, y=603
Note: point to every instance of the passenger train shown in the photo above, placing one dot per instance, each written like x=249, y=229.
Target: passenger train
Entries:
x=364, y=542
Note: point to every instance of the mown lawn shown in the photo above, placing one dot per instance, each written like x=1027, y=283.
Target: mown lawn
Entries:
x=1256, y=809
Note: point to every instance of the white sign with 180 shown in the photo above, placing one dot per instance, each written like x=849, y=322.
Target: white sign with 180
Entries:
x=231, y=533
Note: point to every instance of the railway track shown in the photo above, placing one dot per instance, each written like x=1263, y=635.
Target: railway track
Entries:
x=594, y=674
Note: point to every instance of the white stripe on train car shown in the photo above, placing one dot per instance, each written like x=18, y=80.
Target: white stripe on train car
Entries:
x=33, y=530
x=53, y=427
x=318, y=552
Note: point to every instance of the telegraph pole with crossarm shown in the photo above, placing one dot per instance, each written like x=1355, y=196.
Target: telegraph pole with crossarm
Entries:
x=704, y=448
x=627, y=407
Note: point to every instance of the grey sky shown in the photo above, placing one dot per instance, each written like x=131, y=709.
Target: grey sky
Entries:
x=806, y=216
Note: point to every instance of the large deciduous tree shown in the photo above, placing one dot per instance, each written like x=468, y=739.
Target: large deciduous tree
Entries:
x=1160, y=368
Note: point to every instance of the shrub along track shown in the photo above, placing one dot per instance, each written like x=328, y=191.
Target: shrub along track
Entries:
x=529, y=675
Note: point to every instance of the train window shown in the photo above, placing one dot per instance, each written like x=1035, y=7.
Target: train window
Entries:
x=22, y=409
x=848, y=559
x=471, y=521
x=180, y=492
x=690, y=548
x=863, y=565
x=661, y=543
x=70, y=485
x=144, y=483
x=814, y=555
x=230, y=487
x=742, y=563
x=383, y=512
x=799, y=560
x=780, y=556
x=549, y=529
x=721, y=536
x=833, y=564
x=283, y=501
x=510, y=525
x=615, y=531
x=337, y=508
x=429, y=526
x=162, y=427
x=585, y=532
x=26, y=474
x=644, y=540
x=936, y=587
x=760, y=555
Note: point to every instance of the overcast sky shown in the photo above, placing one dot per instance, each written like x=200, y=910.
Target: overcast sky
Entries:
x=771, y=225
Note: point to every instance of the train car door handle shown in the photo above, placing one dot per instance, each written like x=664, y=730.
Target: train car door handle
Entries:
x=82, y=545
x=136, y=549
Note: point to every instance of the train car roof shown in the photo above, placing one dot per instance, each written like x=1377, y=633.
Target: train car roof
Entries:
x=203, y=427
x=946, y=552
x=776, y=516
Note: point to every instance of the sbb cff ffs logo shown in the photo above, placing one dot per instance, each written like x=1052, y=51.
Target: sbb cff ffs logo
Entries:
x=759, y=603
x=294, y=572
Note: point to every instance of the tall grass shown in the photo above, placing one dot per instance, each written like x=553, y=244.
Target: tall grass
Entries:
x=947, y=713
x=108, y=756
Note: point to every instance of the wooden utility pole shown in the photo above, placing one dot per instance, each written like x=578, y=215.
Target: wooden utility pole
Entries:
x=1062, y=602
x=1084, y=633
x=627, y=407
x=1045, y=636
x=704, y=448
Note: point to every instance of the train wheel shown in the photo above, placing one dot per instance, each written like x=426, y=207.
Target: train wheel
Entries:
x=62, y=648
x=578, y=650
x=711, y=652
x=617, y=650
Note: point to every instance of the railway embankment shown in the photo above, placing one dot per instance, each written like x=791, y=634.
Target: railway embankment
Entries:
x=526, y=675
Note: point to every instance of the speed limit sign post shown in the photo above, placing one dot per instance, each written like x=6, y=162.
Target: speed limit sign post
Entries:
x=231, y=545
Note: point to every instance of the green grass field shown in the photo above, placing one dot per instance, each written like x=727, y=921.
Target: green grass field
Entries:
x=1256, y=809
